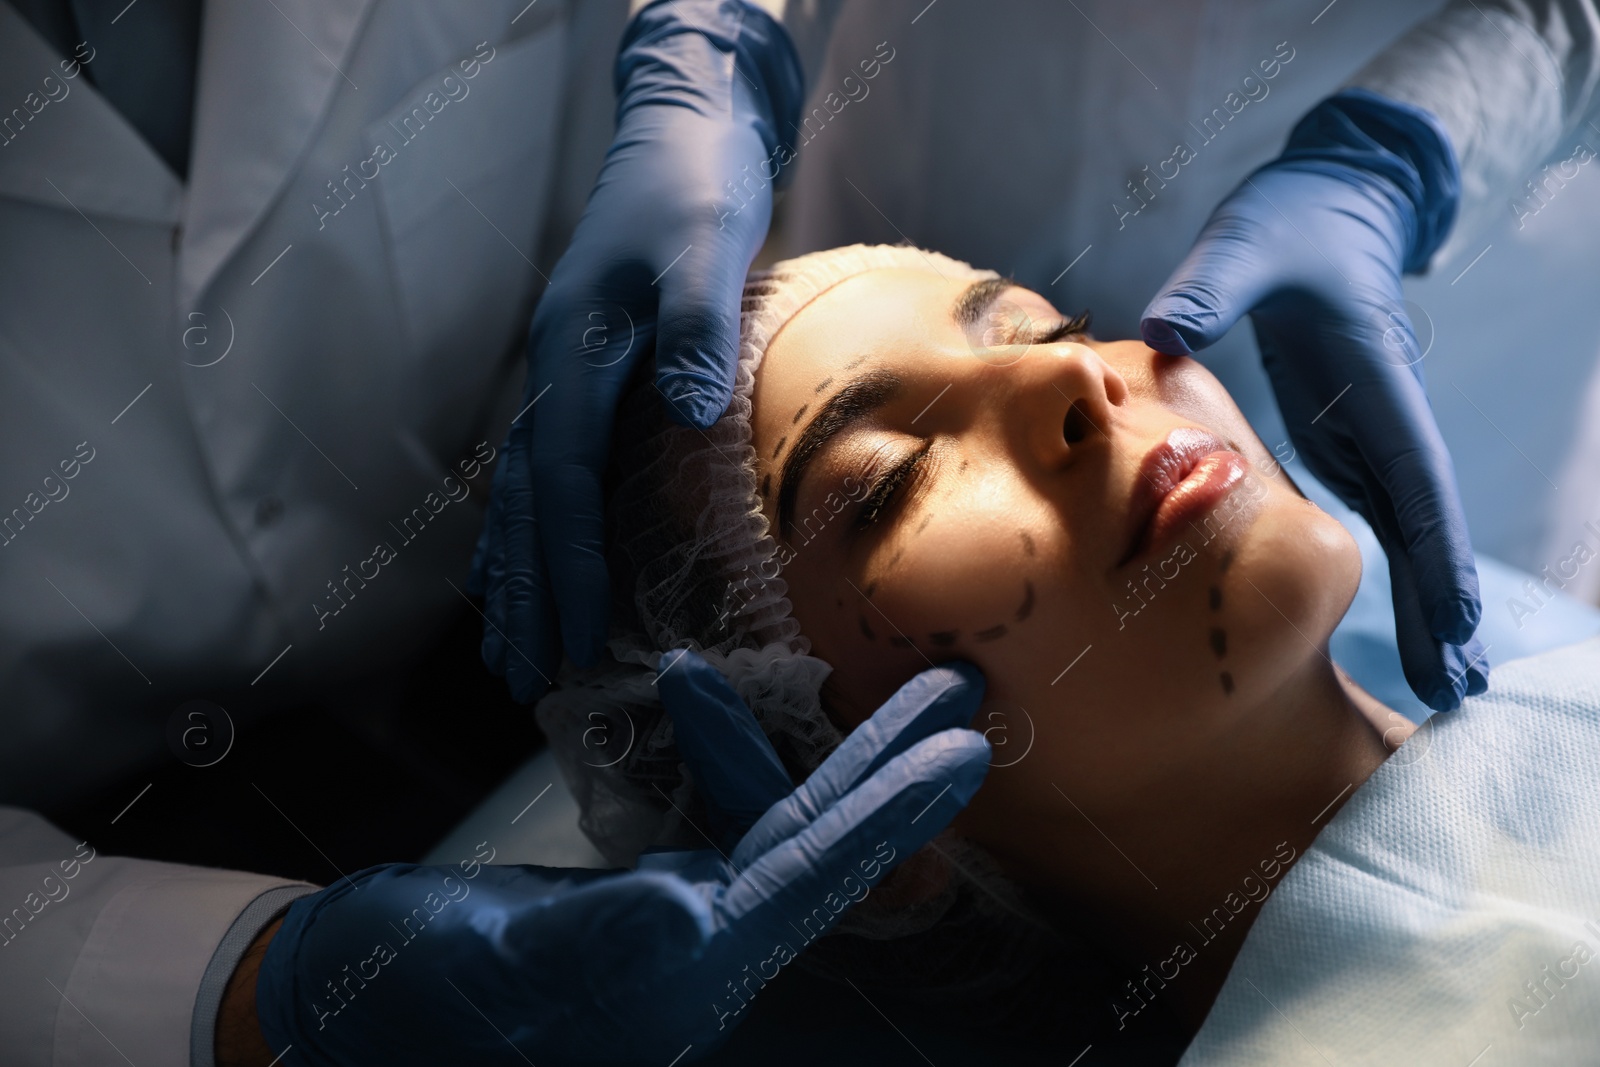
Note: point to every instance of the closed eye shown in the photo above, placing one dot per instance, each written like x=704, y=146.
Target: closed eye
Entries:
x=1075, y=325
x=887, y=494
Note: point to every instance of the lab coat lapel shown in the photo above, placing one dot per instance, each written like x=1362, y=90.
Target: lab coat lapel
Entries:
x=268, y=69
x=76, y=152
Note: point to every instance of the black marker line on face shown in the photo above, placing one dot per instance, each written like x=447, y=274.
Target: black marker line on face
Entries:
x=1216, y=598
x=923, y=525
x=991, y=633
x=1227, y=561
x=779, y=446
x=871, y=586
x=822, y=385
x=866, y=630
x=963, y=466
x=854, y=363
x=944, y=638
x=901, y=642
x=1219, y=641
x=766, y=485
x=803, y=409
x=1227, y=682
x=1026, y=608
x=1027, y=542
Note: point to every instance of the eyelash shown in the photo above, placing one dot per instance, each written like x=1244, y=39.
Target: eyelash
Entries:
x=885, y=492
x=1065, y=328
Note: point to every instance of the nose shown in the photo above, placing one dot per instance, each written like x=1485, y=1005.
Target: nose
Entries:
x=1059, y=398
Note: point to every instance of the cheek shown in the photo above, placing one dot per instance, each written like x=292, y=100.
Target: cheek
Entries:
x=963, y=582
x=1303, y=568
x=847, y=630
x=984, y=586
x=1234, y=624
x=1096, y=738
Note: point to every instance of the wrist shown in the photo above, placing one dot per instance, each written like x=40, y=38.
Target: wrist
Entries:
x=239, y=1042
x=677, y=52
x=1394, y=149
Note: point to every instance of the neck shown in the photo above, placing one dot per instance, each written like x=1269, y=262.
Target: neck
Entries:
x=1214, y=839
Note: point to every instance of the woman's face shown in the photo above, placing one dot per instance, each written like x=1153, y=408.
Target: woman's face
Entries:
x=950, y=481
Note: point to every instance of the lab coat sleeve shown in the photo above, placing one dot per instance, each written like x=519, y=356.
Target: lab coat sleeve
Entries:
x=106, y=960
x=809, y=23
x=1513, y=81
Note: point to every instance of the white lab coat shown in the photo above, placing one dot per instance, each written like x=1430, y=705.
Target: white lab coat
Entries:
x=218, y=398
x=219, y=514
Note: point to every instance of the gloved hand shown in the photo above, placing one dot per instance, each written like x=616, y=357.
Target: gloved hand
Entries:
x=658, y=260
x=406, y=965
x=1312, y=247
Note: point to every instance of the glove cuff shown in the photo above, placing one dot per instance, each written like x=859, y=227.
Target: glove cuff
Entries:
x=670, y=47
x=1386, y=139
x=283, y=993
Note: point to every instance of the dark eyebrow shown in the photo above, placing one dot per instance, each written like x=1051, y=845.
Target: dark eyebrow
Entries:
x=863, y=395
x=859, y=397
x=971, y=305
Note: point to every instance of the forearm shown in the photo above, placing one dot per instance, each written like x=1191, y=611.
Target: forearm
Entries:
x=239, y=1042
x=1510, y=80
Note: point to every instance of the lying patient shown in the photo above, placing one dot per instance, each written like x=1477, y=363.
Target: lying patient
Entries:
x=925, y=462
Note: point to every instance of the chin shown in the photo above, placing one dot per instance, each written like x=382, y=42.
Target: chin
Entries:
x=1293, y=578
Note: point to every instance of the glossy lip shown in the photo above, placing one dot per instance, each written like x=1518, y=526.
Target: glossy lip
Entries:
x=1163, y=469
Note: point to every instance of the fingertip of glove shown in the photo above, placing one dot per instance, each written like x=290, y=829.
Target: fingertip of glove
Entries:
x=1443, y=697
x=1165, y=337
x=679, y=663
x=1457, y=620
x=967, y=756
x=952, y=687
x=1446, y=682
x=958, y=672
x=979, y=759
x=1468, y=676
x=692, y=399
x=1478, y=676
x=1477, y=682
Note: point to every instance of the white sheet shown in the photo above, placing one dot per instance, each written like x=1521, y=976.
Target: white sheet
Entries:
x=1468, y=865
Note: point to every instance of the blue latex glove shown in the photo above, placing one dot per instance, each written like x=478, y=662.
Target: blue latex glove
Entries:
x=517, y=964
x=657, y=261
x=1312, y=247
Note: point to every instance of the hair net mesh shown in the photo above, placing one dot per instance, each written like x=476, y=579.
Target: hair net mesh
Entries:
x=693, y=565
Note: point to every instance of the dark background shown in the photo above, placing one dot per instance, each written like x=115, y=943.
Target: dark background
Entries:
x=370, y=774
